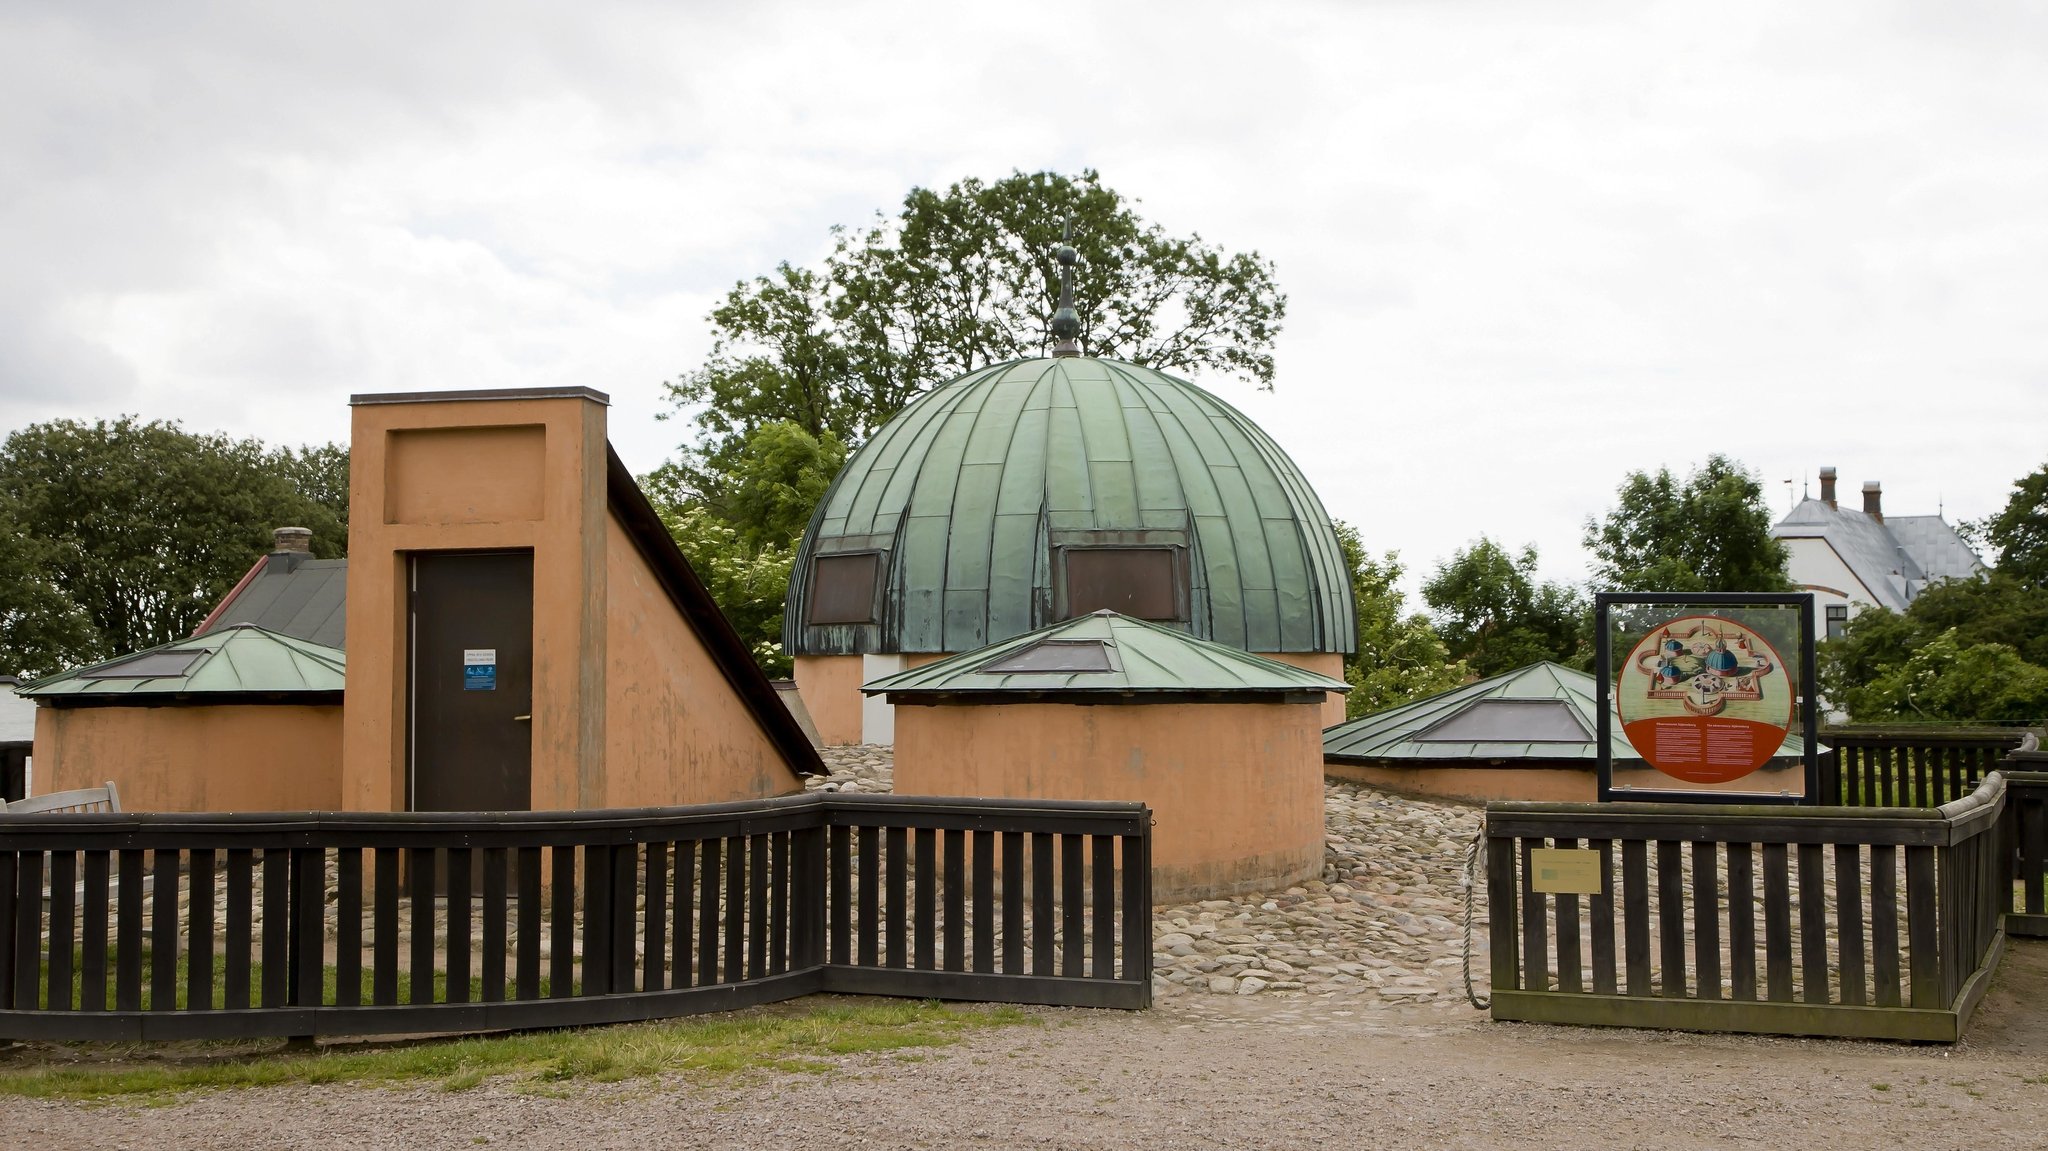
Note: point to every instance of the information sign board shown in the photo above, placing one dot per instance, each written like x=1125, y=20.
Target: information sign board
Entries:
x=479, y=669
x=1712, y=696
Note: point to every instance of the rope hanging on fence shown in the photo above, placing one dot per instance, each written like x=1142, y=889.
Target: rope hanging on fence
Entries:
x=1467, y=882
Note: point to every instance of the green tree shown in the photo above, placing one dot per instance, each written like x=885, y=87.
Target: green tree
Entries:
x=748, y=583
x=42, y=629
x=962, y=279
x=2018, y=534
x=1948, y=681
x=1399, y=657
x=142, y=527
x=1995, y=609
x=1710, y=533
x=1494, y=614
x=742, y=535
x=321, y=475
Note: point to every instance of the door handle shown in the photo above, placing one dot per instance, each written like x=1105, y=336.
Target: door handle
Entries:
x=521, y=718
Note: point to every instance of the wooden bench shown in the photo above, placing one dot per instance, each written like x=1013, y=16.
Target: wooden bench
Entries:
x=106, y=798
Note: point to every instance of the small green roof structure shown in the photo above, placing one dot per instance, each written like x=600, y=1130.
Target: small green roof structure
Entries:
x=1544, y=711
x=238, y=663
x=1033, y=491
x=1109, y=658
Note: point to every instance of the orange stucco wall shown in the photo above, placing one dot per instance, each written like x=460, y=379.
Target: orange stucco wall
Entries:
x=1475, y=784
x=830, y=687
x=675, y=732
x=1328, y=663
x=1479, y=783
x=1236, y=790
x=234, y=757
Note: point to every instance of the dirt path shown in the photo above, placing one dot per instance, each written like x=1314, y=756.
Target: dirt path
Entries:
x=1215, y=1073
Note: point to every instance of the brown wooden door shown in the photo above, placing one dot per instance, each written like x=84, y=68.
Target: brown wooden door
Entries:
x=470, y=747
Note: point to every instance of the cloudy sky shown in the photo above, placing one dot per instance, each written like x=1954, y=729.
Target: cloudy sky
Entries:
x=1528, y=247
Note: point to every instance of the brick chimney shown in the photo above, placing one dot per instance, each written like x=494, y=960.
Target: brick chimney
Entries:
x=1873, y=500
x=1827, y=486
x=290, y=547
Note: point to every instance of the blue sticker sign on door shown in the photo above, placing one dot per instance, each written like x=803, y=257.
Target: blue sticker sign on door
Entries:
x=479, y=669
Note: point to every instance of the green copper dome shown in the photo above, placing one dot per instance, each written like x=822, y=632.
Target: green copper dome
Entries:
x=1039, y=490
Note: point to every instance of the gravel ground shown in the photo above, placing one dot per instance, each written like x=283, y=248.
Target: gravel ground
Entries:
x=1210, y=1071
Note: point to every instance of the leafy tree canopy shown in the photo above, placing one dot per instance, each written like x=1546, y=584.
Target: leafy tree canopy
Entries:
x=741, y=536
x=1948, y=681
x=1494, y=614
x=2018, y=534
x=123, y=535
x=959, y=280
x=1995, y=610
x=1710, y=533
x=1400, y=657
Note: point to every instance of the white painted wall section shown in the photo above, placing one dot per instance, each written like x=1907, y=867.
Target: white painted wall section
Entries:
x=877, y=718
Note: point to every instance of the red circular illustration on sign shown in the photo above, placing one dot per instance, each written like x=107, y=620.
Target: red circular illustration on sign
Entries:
x=1704, y=699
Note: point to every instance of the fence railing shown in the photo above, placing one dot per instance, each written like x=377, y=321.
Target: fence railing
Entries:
x=1909, y=767
x=1772, y=920
x=2026, y=814
x=161, y=926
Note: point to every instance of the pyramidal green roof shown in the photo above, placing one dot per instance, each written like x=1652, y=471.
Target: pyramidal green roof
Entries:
x=1542, y=711
x=239, y=660
x=1104, y=654
x=970, y=496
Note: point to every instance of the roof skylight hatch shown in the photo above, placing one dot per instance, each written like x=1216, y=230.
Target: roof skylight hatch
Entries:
x=1056, y=655
x=152, y=665
x=1510, y=721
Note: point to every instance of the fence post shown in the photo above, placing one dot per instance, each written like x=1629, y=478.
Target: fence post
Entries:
x=807, y=895
x=597, y=918
x=8, y=959
x=1500, y=913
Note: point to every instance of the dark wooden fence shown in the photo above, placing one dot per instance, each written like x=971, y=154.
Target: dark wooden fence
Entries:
x=1909, y=767
x=1867, y=923
x=2026, y=813
x=162, y=926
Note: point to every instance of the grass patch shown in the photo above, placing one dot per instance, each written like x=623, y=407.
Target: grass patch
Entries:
x=795, y=1037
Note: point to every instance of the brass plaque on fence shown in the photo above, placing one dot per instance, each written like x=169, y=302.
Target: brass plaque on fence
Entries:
x=1566, y=871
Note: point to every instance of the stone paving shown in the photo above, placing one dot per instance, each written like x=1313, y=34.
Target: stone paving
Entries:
x=1380, y=929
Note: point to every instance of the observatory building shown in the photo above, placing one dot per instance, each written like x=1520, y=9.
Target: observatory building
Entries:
x=1035, y=491
x=1042, y=490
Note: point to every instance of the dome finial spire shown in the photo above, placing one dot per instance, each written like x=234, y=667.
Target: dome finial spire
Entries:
x=1066, y=323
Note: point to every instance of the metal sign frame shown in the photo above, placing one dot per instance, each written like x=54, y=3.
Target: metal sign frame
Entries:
x=1804, y=703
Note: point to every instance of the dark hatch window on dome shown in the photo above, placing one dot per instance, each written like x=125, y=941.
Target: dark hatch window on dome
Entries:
x=1139, y=582
x=1055, y=655
x=843, y=588
x=1510, y=721
x=155, y=665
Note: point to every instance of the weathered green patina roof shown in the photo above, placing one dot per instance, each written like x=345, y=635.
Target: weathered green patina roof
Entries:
x=1133, y=659
x=971, y=489
x=1418, y=730
x=239, y=660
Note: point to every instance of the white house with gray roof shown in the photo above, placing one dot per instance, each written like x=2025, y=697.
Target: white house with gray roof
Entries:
x=1852, y=559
